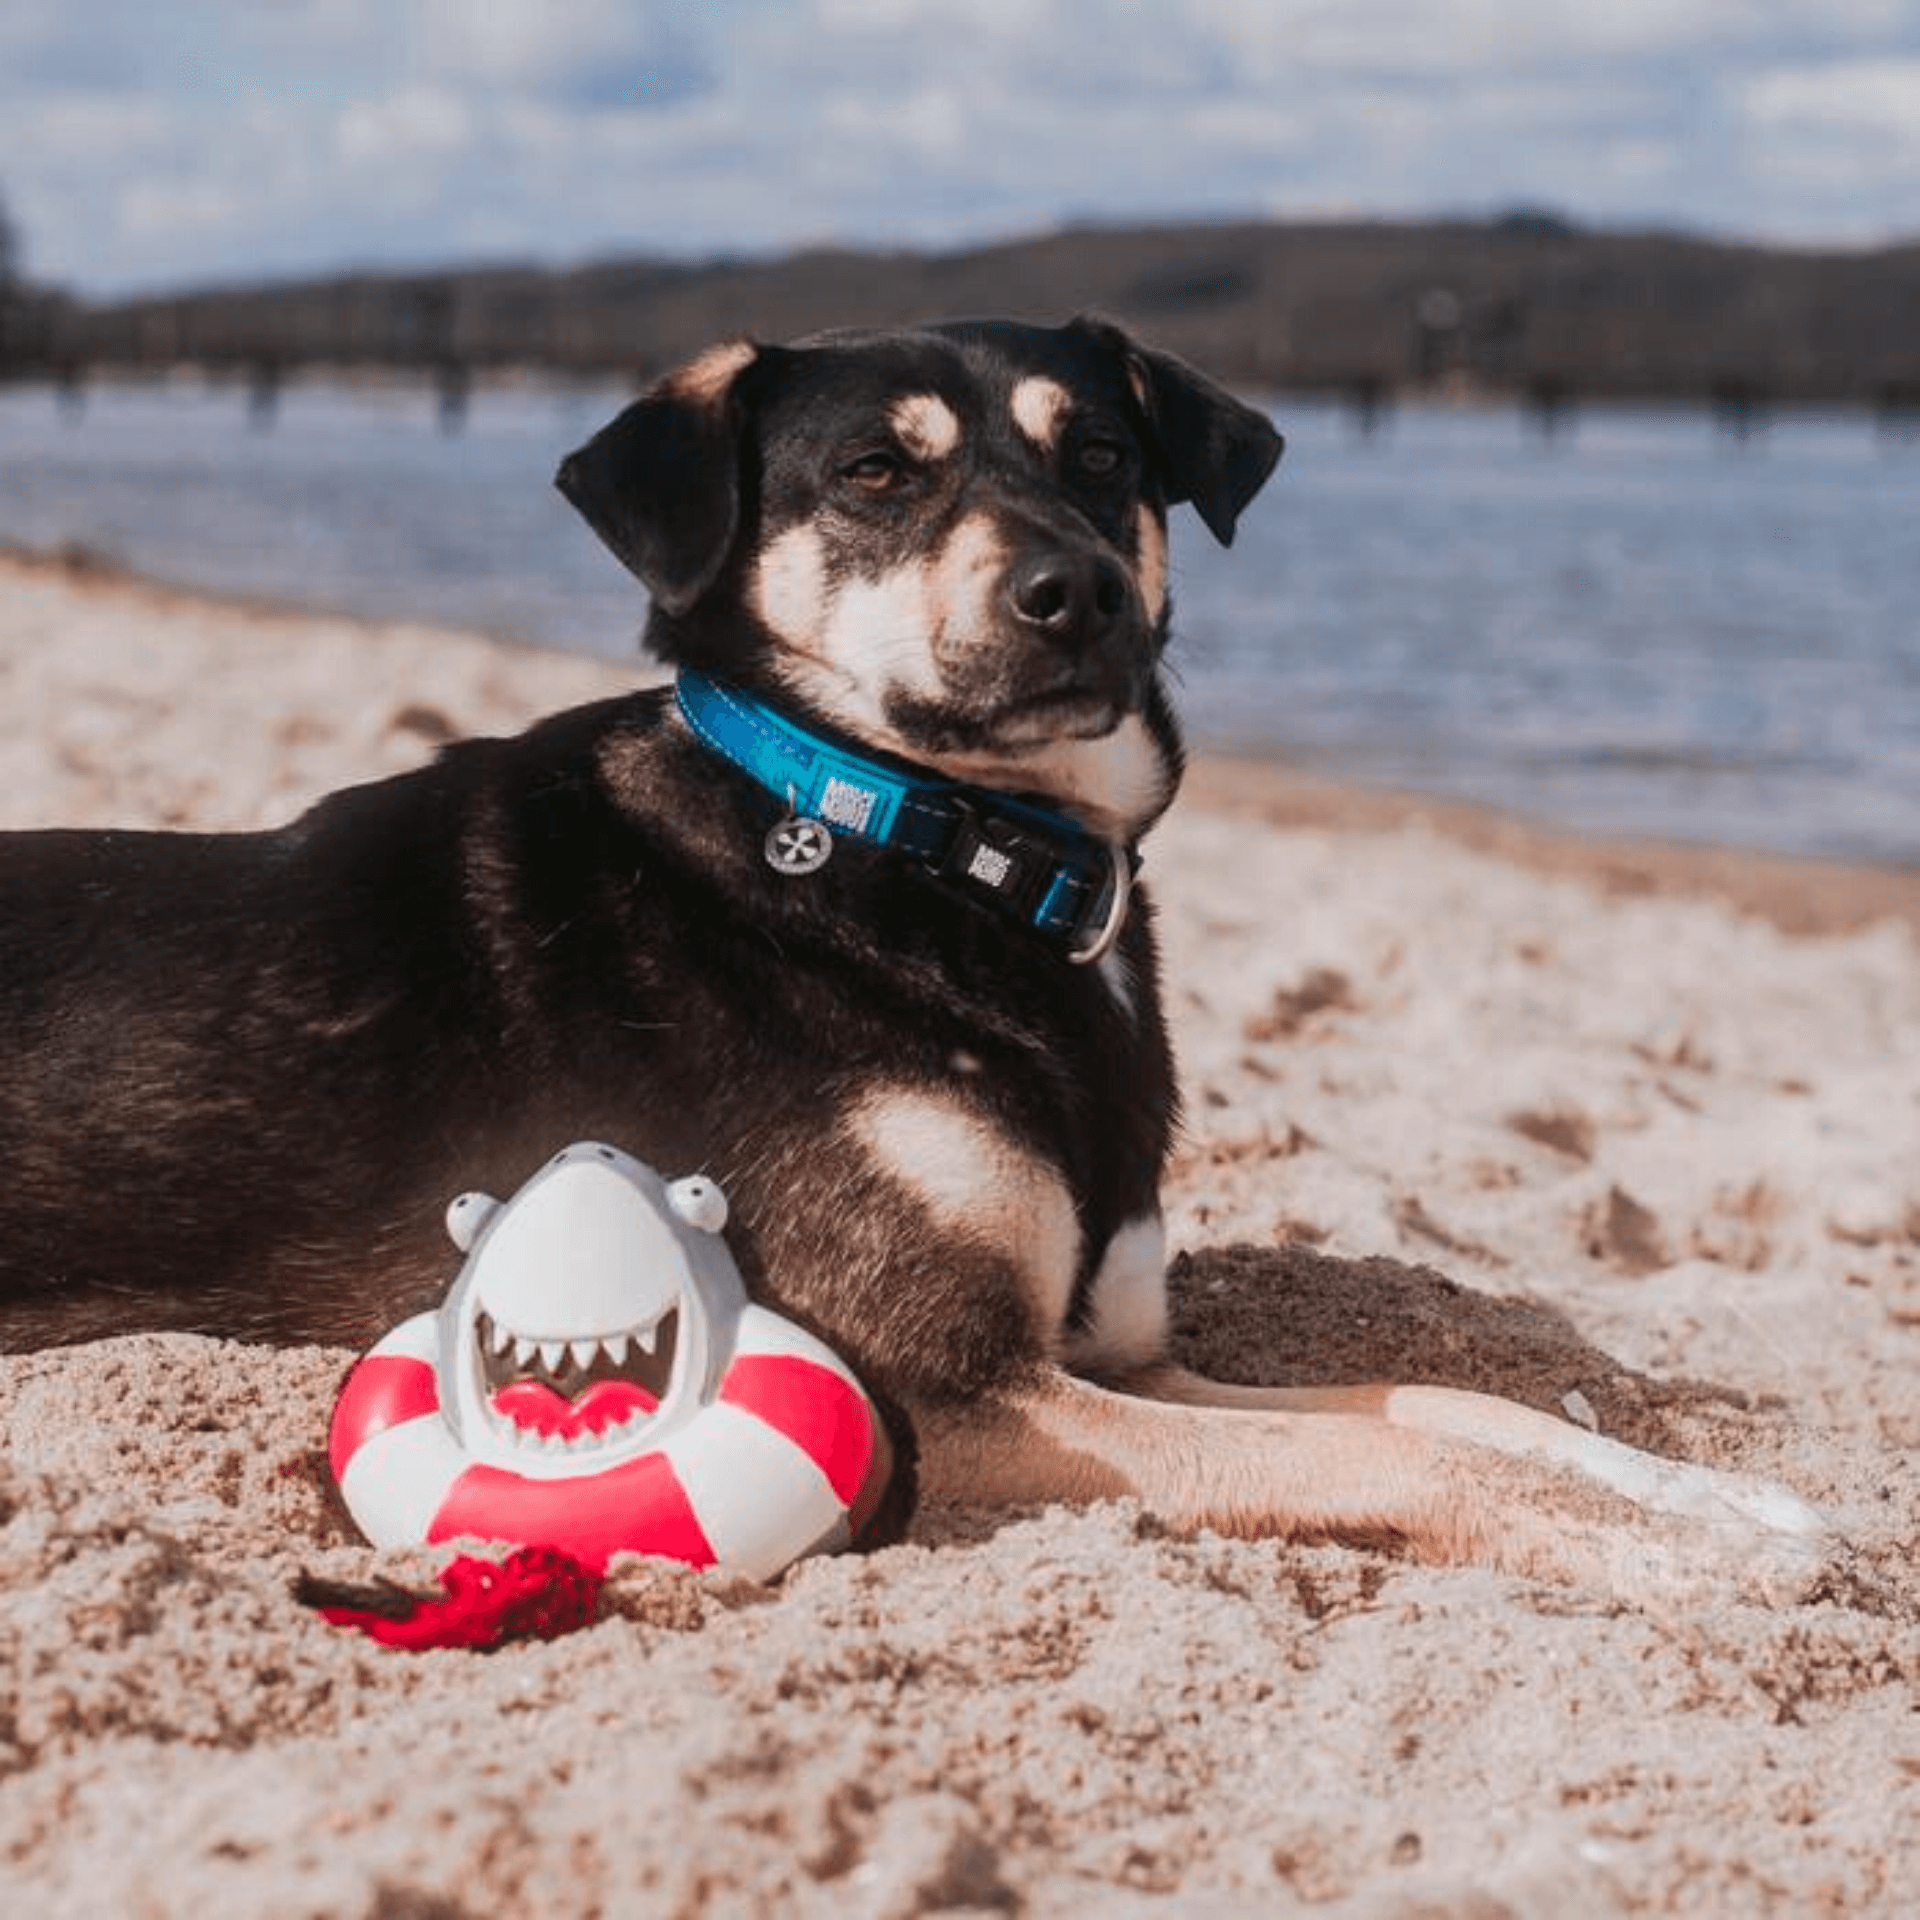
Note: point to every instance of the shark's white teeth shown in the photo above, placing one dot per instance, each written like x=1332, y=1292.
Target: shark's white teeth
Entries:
x=584, y=1351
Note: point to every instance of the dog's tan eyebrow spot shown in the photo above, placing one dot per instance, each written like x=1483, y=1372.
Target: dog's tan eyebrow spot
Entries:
x=1150, y=567
x=976, y=1181
x=929, y=429
x=710, y=374
x=1040, y=406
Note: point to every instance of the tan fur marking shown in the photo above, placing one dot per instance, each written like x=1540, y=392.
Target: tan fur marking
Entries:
x=789, y=587
x=1151, y=566
x=966, y=574
x=928, y=428
x=975, y=1181
x=1115, y=786
x=875, y=637
x=708, y=377
x=1039, y=406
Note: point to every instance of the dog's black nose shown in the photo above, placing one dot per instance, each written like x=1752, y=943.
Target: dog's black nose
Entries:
x=1071, y=598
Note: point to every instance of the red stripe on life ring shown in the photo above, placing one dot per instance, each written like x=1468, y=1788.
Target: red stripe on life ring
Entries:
x=382, y=1391
x=823, y=1415
x=639, y=1507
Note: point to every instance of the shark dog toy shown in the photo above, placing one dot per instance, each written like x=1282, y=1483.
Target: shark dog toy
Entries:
x=598, y=1382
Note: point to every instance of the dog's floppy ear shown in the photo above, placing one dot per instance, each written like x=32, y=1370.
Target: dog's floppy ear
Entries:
x=1214, y=450
x=660, y=483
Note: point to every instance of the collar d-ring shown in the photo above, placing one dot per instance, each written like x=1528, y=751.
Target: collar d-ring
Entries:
x=1121, y=898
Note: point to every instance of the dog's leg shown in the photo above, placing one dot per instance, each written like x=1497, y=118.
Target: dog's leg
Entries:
x=1482, y=1420
x=1447, y=1477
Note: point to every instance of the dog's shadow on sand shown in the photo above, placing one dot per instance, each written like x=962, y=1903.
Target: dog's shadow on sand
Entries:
x=1290, y=1315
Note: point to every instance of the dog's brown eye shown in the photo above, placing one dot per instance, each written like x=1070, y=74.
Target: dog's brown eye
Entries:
x=1100, y=459
x=873, y=472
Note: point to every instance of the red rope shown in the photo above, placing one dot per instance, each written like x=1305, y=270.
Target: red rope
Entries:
x=537, y=1593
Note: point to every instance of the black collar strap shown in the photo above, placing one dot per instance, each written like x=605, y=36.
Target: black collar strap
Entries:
x=1028, y=860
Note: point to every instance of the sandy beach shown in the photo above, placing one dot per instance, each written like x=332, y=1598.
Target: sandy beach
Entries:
x=1628, y=1133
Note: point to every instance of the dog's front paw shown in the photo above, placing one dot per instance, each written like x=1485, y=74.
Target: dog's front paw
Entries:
x=1723, y=1499
x=1673, y=1563
x=1707, y=1533
x=1711, y=1534
x=1691, y=1492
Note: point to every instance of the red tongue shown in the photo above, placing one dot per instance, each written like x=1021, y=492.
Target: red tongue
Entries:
x=534, y=1407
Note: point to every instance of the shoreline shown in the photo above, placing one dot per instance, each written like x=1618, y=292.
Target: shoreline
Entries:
x=1797, y=894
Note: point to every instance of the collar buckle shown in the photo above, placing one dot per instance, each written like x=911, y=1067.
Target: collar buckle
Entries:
x=993, y=856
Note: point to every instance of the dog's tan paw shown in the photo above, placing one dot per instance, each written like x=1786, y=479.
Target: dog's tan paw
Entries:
x=1706, y=1494
x=1696, y=1535
x=1725, y=1499
x=1675, y=1564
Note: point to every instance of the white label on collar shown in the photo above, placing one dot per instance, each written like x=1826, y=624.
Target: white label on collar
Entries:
x=990, y=865
x=845, y=805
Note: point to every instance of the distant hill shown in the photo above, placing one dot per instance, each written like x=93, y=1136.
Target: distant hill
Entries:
x=1525, y=303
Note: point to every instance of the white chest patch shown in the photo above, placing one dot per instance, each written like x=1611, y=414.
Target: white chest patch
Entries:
x=975, y=1181
x=1127, y=1314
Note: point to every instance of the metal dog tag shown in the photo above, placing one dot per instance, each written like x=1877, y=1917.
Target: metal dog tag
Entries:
x=798, y=846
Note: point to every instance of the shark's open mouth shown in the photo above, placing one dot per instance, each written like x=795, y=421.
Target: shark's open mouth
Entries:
x=578, y=1394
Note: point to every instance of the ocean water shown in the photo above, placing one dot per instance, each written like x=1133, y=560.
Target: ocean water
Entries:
x=1642, y=622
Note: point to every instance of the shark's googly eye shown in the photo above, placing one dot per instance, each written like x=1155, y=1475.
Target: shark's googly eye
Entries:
x=699, y=1202
x=466, y=1215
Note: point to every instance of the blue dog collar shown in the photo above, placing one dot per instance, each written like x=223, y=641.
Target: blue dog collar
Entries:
x=1028, y=860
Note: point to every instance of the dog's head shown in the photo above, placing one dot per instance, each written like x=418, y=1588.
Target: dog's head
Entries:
x=949, y=543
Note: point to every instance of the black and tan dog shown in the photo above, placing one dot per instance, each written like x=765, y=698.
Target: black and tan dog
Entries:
x=847, y=920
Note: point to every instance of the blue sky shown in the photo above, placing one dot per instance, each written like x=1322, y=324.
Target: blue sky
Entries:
x=149, y=143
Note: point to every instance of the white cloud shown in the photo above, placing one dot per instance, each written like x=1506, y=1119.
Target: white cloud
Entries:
x=93, y=130
x=1827, y=141
x=224, y=137
x=422, y=125
x=1850, y=100
x=1481, y=37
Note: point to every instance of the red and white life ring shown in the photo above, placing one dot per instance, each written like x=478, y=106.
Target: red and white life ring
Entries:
x=597, y=1381
x=787, y=1458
